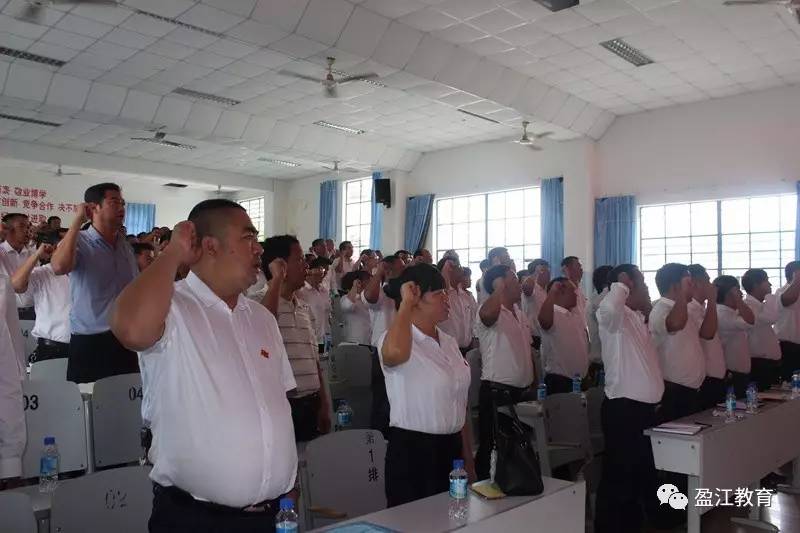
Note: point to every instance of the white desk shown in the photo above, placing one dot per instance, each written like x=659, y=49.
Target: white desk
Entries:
x=728, y=456
x=560, y=508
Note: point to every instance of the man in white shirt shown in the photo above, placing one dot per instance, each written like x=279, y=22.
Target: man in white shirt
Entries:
x=765, y=350
x=600, y=284
x=565, y=345
x=462, y=313
x=496, y=256
x=703, y=312
x=12, y=372
x=342, y=264
x=787, y=328
x=215, y=376
x=677, y=340
x=14, y=251
x=318, y=298
x=355, y=313
x=634, y=386
x=572, y=268
x=533, y=294
x=51, y=300
x=736, y=319
x=506, y=357
x=320, y=250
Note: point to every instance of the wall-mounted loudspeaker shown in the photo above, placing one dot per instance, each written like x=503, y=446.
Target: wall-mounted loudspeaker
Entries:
x=383, y=191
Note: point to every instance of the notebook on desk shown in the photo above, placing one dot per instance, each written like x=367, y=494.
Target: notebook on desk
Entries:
x=680, y=429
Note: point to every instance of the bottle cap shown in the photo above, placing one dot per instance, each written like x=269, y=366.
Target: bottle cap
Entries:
x=49, y=440
x=458, y=464
x=286, y=504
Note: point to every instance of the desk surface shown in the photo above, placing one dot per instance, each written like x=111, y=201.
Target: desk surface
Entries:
x=432, y=512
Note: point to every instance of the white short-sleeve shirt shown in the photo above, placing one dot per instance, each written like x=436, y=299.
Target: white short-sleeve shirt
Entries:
x=52, y=302
x=595, y=353
x=319, y=300
x=459, y=323
x=10, y=261
x=712, y=348
x=12, y=372
x=787, y=327
x=733, y=334
x=215, y=394
x=680, y=353
x=347, y=266
x=428, y=393
x=531, y=305
x=381, y=314
x=565, y=346
x=357, y=327
x=506, y=354
x=762, y=339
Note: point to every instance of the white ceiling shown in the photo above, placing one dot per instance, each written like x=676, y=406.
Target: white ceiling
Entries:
x=504, y=59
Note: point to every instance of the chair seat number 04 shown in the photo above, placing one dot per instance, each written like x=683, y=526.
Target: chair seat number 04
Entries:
x=135, y=393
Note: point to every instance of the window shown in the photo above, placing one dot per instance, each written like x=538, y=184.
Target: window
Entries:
x=473, y=225
x=358, y=212
x=255, y=210
x=725, y=236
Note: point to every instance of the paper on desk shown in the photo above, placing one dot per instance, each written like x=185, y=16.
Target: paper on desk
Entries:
x=359, y=527
x=740, y=405
x=773, y=395
x=680, y=429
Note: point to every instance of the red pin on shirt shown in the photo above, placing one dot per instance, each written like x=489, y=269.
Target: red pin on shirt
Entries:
x=264, y=353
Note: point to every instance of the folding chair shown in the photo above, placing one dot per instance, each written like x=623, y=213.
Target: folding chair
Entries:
x=117, y=419
x=29, y=340
x=345, y=476
x=337, y=321
x=16, y=510
x=567, y=425
x=118, y=500
x=54, y=409
x=354, y=371
x=50, y=369
x=594, y=403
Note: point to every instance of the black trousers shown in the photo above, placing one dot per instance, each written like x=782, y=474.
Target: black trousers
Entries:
x=47, y=349
x=175, y=511
x=678, y=401
x=557, y=384
x=739, y=381
x=418, y=464
x=93, y=357
x=712, y=392
x=765, y=372
x=379, y=414
x=790, y=359
x=628, y=482
x=305, y=416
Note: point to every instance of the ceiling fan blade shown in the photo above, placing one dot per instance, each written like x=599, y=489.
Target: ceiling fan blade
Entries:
x=535, y=148
x=301, y=76
x=331, y=92
x=542, y=135
x=70, y=174
x=100, y=2
x=797, y=14
x=32, y=13
x=358, y=77
x=148, y=139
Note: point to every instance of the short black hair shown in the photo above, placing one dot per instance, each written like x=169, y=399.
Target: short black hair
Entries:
x=208, y=214
x=600, y=277
x=47, y=237
x=418, y=252
x=349, y=279
x=97, y=193
x=141, y=247
x=535, y=263
x=494, y=252
x=166, y=237
x=317, y=241
x=367, y=251
x=569, y=259
x=553, y=281
x=669, y=275
x=390, y=259
x=344, y=244
x=140, y=235
x=522, y=274
x=790, y=268
x=697, y=271
x=625, y=268
x=8, y=217
x=484, y=264
x=398, y=252
x=52, y=218
x=467, y=272
x=320, y=262
x=427, y=278
x=754, y=277
x=724, y=285
x=445, y=259
x=497, y=271
x=275, y=247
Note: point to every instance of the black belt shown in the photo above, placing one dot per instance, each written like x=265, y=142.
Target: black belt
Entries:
x=53, y=344
x=267, y=506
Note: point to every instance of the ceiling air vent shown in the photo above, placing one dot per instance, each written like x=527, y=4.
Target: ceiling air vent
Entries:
x=626, y=52
x=27, y=56
x=29, y=120
x=206, y=96
x=176, y=185
x=482, y=117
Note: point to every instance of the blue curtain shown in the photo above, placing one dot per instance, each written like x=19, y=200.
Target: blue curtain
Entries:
x=797, y=226
x=614, y=230
x=376, y=229
x=418, y=218
x=328, y=195
x=553, y=220
x=139, y=218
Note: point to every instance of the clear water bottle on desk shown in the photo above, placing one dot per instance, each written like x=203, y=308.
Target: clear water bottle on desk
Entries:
x=576, y=384
x=458, y=491
x=601, y=379
x=48, y=466
x=541, y=392
x=286, y=519
x=796, y=384
x=752, y=399
x=730, y=406
x=344, y=416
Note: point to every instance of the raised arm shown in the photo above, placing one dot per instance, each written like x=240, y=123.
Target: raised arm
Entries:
x=373, y=290
x=490, y=310
x=678, y=316
x=140, y=311
x=272, y=298
x=547, y=310
x=790, y=296
x=744, y=311
x=769, y=311
x=611, y=311
x=63, y=260
x=396, y=347
x=22, y=276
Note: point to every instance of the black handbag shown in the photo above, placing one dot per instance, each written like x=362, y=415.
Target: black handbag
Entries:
x=517, y=471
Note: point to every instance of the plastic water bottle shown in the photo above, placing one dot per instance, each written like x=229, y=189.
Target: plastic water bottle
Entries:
x=48, y=466
x=796, y=384
x=576, y=384
x=730, y=406
x=286, y=519
x=752, y=398
x=541, y=392
x=601, y=378
x=344, y=416
x=458, y=490
x=328, y=343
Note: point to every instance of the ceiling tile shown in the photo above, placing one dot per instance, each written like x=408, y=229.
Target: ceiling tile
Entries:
x=515, y=57
x=147, y=25
x=268, y=58
x=429, y=19
x=464, y=9
x=210, y=18
x=102, y=47
x=460, y=34
x=586, y=36
x=230, y=48
x=70, y=40
x=604, y=10
x=527, y=10
x=562, y=22
x=95, y=61
x=397, y=45
x=51, y=50
x=488, y=46
x=496, y=21
x=392, y=8
x=628, y=25
x=105, y=99
x=238, y=7
x=549, y=47
x=189, y=37
x=27, y=82
x=257, y=33
x=525, y=35
x=202, y=119
x=83, y=26
x=324, y=20
x=170, y=9
x=363, y=32
x=297, y=46
x=429, y=57
x=245, y=69
x=129, y=39
x=458, y=67
x=574, y=58
x=282, y=13
x=169, y=49
x=68, y=92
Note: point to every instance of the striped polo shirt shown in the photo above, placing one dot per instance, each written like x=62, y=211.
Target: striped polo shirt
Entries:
x=297, y=329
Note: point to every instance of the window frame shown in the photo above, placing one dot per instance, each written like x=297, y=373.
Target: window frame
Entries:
x=357, y=245
x=258, y=221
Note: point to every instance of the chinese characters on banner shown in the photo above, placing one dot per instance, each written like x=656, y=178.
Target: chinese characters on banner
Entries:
x=33, y=202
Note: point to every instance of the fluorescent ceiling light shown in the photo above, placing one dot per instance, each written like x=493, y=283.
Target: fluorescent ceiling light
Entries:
x=339, y=127
x=27, y=56
x=206, y=96
x=281, y=162
x=627, y=52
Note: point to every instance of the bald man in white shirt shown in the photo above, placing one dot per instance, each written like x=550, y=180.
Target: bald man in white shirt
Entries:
x=215, y=376
x=634, y=386
x=765, y=349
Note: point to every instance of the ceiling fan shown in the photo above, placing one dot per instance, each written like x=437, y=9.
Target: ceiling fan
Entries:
x=792, y=5
x=59, y=173
x=159, y=138
x=528, y=139
x=335, y=168
x=34, y=9
x=330, y=83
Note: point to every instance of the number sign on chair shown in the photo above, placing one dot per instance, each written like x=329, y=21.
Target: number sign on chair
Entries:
x=117, y=419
